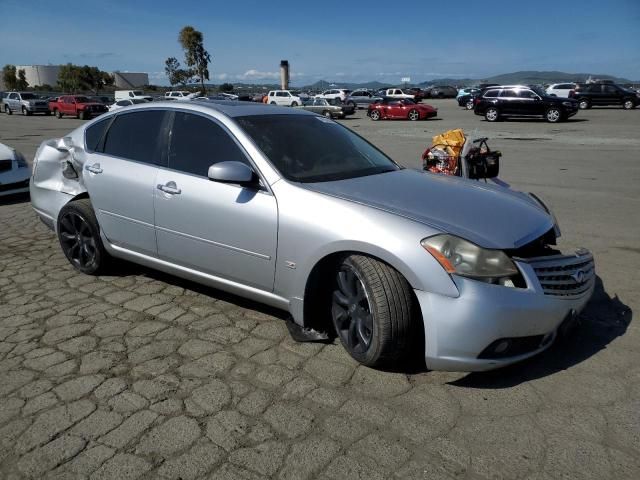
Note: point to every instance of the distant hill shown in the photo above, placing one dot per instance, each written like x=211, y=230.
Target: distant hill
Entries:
x=527, y=77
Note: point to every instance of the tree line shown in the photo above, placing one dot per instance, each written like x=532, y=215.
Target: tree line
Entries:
x=71, y=78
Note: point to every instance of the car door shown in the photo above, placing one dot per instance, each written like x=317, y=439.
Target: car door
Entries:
x=120, y=175
x=529, y=103
x=13, y=101
x=221, y=229
x=611, y=95
x=508, y=102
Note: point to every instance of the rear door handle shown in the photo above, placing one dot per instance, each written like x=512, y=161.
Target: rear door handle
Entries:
x=170, y=187
x=95, y=168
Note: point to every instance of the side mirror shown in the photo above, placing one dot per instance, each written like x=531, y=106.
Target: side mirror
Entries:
x=232, y=172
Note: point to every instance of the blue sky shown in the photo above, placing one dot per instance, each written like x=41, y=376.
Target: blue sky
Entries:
x=330, y=40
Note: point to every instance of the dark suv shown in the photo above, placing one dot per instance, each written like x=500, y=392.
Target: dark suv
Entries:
x=496, y=103
x=595, y=94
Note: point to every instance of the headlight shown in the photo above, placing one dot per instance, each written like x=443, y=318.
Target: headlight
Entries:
x=462, y=257
x=22, y=163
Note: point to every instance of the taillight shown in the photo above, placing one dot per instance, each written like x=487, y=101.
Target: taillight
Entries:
x=476, y=101
x=572, y=93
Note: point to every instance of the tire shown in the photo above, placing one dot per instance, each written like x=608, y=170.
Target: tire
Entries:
x=7, y=110
x=327, y=114
x=294, y=104
x=492, y=114
x=25, y=112
x=57, y=113
x=79, y=237
x=273, y=103
x=469, y=105
x=373, y=311
x=413, y=115
x=584, y=104
x=553, y=115
x=352, y=104
x=375, y=115
x=84, y=115
x=628, y=104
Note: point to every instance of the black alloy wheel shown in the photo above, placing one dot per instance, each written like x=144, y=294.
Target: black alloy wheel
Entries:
x=79, y=236
x=351, y=311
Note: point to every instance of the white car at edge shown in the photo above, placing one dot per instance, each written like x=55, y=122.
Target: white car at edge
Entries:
x=15, y=172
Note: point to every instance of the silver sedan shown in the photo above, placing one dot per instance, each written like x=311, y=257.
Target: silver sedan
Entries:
x=289, y=208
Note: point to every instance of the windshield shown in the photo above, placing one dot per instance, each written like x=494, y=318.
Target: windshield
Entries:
x=540, y=91
x=314, y=149
x=28, y=96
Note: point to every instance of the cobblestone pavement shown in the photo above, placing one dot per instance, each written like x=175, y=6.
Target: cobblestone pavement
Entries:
x=143, y=375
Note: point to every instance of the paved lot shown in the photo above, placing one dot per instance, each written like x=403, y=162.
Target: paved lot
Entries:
x=142, y=375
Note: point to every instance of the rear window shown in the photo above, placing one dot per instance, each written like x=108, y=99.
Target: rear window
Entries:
x=94, y=134
x=136, y=136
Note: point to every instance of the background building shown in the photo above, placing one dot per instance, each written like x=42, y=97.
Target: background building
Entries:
x=40, y=74
x=126, y=80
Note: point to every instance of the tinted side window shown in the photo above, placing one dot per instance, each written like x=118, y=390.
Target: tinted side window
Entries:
x=136, y=136
x=94, y=134
x=509, y=94
x=491, y=94
x=197, y=143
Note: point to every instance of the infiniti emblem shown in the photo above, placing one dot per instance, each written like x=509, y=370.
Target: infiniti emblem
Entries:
x=578, y=277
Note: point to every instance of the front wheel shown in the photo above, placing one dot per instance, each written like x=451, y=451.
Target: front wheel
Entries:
x=553, y=115
x=469, y=105
x=25, y=112
x=373, y=311
x=294, y=104
x=375, y=115
x=57, y=113
x=273, y=103
x=492, y=114
x=84, y=115
x=628, y=105
x=7, y=110
x=327, y=114
x=414, y=115
x=79, y=236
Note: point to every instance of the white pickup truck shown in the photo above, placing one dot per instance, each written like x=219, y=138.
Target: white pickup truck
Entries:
x=132, y=94
x=396, y=93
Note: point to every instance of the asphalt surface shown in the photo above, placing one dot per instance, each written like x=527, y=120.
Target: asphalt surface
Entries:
x=143, y=375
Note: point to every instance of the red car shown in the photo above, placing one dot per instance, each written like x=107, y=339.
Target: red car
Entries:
x=77, y=106
x=397, y=108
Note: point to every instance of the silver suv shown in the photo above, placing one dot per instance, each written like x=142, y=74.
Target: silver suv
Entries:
x=25, y=102
x=292, y=209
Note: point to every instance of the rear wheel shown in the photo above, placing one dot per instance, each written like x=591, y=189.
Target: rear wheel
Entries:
x=469, y=105
x=375, y=115
x=628, y=104
x=25, y=112
x=352, y=104
x=7, y=110
x=584, y=104
x=273, y=103
x=553, y=115
x=294, y=104
x=492, y=114
x=414, y=115
x=327, y=114
x=373, y=311
x=79, y=236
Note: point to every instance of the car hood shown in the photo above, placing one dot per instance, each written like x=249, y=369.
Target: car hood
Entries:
x=489, y=216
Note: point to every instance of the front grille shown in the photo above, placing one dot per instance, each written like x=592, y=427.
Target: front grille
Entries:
x=5, y=165
x=565, y=275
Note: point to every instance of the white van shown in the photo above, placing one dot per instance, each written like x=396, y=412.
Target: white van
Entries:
x=131, y=94
x=283, y=98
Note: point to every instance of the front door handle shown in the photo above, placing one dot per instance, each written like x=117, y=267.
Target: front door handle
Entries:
x=170, y=187
x=95, y=168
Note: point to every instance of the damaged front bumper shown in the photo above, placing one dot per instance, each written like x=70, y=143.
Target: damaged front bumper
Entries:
x=490, y=326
